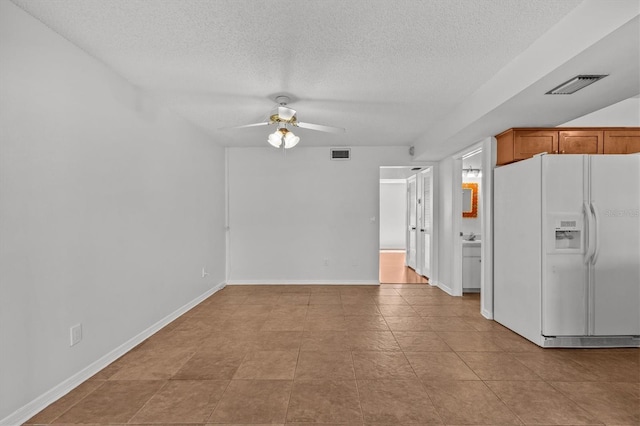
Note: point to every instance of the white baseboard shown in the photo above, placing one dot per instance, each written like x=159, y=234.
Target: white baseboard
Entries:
x=303, y=282
x=32, y=408
x=486, y=314
x=445, y=288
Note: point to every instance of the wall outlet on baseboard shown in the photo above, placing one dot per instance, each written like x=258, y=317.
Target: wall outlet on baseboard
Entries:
x=75, y=334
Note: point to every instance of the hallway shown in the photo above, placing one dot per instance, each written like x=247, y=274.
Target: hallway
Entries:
x=356, y=355
x=393, y=269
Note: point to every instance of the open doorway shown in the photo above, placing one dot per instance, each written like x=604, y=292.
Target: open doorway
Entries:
x=406, y=221
x=471, y=224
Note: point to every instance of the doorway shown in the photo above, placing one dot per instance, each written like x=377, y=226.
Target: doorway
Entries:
x=406, y=224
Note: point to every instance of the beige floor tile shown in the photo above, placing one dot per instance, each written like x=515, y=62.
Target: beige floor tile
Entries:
x=390, y=300
x=54, y=410
x=359, y=300
x=242, y=325
x=268, y=365
x=396, y=402
x=539, y=403
x=469, y=402
x=152, y=364
x=551, y=365
x=283, y=324
x=511, y=342
x=373, y=341
x=397, y=311
x=326, y=365
x=289, y=311
x=262, y=299
x=325, y=299
x=330, y=341
x=182, y=401
x=366, y=322
x=113, y=402
x=324, y=401
x=321, y=311
x=420, y=341
x=253, y=401
x=351, y=309
x=328, y=323
x=611, y=365
x=382, y=365
x=468, y=341
x=497, y=366
x=293, y=299
x=211, y=365
x=436, y=309
x=278, y=341
x=430, y=366
x=448, y=324
x=611, y=403
x=407, y=323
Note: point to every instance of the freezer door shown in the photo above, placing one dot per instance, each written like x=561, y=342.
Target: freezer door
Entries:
x=564, y=285
x=615, y=274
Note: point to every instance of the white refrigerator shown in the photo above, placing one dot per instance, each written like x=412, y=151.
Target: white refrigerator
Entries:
x=567, y=249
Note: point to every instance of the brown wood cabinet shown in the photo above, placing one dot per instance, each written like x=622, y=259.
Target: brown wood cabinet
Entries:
x=624, y=141
x=522, y=143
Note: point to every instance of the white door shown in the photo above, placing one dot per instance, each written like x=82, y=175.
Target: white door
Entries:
x=411, y=222
x=426, y=227
x=615, y=202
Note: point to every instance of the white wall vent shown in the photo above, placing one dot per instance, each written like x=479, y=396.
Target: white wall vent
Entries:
x=576, y=83
x=340, y=153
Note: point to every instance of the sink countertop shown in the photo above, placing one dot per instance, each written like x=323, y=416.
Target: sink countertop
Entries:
x=472, y=243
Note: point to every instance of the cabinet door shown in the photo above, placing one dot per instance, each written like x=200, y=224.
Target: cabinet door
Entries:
x=581, y=142
x=528, y=143
x=471, y=272
x=621, y=141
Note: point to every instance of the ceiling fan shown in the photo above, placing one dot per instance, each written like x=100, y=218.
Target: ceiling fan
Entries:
x=286, y=117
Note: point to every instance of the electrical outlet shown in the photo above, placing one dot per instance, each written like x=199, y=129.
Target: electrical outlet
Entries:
x=326, y=262
x=204, y=272
x=75, y=333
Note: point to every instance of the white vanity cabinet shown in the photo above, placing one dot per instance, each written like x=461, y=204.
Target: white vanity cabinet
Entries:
x=471, y=266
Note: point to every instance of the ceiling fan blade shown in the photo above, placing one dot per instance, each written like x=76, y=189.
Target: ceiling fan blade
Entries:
x=266, y=123
x=320, y=127
x=286, y=113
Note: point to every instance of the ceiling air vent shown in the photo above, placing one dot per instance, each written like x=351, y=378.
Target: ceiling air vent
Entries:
x=340, y=153
x=576, y=83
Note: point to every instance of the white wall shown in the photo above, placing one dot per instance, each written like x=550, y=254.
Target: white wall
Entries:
x=109, y=208
x=393, y=214
x=622, y=114
x=289, y=213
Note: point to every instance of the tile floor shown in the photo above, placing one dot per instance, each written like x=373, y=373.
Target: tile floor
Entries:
x=388, y=355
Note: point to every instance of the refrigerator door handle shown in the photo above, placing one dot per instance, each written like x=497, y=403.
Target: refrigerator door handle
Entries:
x=590, y=234
x=596, y=219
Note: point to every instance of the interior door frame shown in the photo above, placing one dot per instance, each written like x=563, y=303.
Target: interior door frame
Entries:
x=412, y=208
x=488, y=147
x=433, y=280
x=420, y=261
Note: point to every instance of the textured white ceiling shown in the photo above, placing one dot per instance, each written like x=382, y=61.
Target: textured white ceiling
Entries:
x=386, y=71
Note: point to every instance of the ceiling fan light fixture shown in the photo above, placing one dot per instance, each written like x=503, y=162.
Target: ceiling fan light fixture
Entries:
x=275, y=139
x=290, y=140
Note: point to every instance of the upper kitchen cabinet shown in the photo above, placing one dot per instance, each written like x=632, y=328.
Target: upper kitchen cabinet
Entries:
x=520, y=144
x=624, y=141
x=580, y=142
